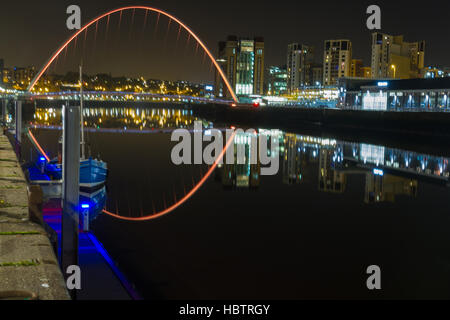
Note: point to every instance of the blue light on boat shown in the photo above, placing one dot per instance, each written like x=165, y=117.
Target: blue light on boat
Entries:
x=42, y=159
x=85, y=206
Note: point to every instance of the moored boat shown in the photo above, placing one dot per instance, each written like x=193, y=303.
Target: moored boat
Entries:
x=93, y=175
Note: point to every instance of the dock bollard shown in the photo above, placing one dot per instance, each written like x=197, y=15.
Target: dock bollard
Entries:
x=85, y=216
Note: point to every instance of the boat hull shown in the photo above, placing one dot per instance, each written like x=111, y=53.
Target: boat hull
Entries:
x=93, y=174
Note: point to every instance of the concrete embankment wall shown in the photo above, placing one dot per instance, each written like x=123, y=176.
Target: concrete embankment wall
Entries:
x=427, y=123
x=28, y=265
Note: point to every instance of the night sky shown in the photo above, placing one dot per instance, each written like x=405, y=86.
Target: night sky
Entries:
x=31, y=30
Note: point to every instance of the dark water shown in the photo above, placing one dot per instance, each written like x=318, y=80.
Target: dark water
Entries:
x=311, y=231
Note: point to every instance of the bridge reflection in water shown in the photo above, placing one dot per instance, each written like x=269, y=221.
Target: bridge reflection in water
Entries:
x=276, y=215
x=133, y=118
x=388, y=172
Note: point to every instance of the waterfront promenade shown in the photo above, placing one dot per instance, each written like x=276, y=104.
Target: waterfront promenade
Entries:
x=28, y=265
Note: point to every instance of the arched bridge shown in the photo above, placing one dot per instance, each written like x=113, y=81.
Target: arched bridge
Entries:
x=200, y=183
x=120, y=10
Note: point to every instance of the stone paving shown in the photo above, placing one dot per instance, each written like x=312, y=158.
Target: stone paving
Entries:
x=28, y=265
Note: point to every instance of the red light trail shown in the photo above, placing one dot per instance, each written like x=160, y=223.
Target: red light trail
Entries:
x=38, y=145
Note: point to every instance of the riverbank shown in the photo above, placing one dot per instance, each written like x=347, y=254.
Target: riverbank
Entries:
x=424, y=132
x=28, y=266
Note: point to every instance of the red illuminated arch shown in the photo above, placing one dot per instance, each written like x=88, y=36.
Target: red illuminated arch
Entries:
x=177, y=203
x=56, y=54
x=186, y=197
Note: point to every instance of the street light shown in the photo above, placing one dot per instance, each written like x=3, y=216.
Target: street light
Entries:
x=395, y=69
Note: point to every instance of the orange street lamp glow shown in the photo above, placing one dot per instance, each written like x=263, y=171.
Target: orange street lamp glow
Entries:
x=395, y=69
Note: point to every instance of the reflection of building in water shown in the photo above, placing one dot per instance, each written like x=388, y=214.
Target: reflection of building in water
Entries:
x=384, y=188
x=406, y=169
x=276, y=135
x=329, y=179
x=241, y=174
x=300, y=151
x=372, y=154
x=294, y=160
x=139, y=118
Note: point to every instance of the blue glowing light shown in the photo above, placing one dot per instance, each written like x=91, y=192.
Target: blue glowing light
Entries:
x=85, y=206
x=42, y=159
x=378, y=172
x=383, y=84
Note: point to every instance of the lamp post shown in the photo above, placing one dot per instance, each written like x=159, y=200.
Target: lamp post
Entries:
x=395, y=69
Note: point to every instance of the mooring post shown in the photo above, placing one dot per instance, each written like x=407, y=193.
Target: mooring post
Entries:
x=18, y=115
x=70, y=190
x=85, y=216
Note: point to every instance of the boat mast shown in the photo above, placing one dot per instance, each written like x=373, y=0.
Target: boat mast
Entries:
x=81, y=112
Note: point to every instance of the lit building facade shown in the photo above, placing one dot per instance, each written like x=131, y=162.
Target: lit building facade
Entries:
x=317, y=75
x=394, y=58
x=7, y=78
x=276, y=81
x=300, y=59
x=394, y=95
x=23, y=76
x=435, y=72
x=317, y=93
x=356, y=68
x=242, y=61
x=337, y=61
x=366, y=72
x=19, y=77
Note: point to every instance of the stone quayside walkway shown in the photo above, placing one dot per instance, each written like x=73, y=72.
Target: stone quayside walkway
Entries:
x=28, y=265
